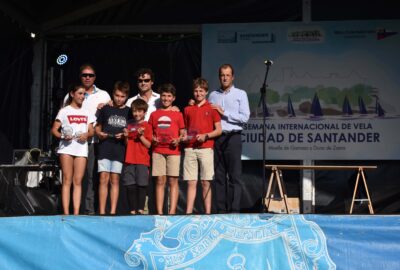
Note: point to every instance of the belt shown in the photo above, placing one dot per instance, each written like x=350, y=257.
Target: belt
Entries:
x=231, y=132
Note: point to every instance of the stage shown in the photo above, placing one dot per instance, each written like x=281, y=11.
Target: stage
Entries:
x=237, y=241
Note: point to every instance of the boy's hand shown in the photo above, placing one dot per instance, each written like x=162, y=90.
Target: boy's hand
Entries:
x=119, y=136
x=102, y=135
x=218, y=108
x=125, y=132
x=191, y=102
x=201, y=137
x=140, y=131
x=155, y=140
x=175, y=142
x=184, y=138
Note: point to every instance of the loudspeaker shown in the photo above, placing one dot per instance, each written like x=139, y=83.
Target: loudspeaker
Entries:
x=32, y=201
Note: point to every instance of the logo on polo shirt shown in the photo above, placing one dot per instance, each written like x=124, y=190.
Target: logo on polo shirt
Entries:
x=78, y=119
x=164, y=122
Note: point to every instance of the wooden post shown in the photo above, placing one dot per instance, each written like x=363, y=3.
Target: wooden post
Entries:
x=272, y=186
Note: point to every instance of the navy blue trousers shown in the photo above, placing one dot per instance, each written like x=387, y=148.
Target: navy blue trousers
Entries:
x=228, y=170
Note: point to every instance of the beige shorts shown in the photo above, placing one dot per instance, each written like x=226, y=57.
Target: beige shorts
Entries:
x=195, y=157
x=165, y=165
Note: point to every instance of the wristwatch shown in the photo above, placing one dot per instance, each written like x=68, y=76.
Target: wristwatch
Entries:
x=207, y=137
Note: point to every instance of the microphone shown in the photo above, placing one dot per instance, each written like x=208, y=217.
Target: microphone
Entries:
x=268, y=62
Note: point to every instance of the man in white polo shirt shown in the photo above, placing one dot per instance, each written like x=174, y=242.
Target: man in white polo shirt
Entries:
x=94, y=97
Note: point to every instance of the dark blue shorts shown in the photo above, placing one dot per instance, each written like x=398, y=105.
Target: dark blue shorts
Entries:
x=135, y=174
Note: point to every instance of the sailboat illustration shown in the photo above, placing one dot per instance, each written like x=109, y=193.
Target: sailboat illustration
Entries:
x=316, y=110
x=379, y=111
x=265, y=110
x=290, y=110
x=346, y=110
x=361, y=106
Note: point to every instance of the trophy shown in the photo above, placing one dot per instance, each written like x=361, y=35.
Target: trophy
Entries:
x=132, y=129
x=191, y=135
x=77, y=135
x=164, y=137
x=66, y=131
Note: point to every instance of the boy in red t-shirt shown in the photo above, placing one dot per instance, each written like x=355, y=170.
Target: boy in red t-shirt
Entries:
x=202, y=123
x=138, y=136
x=169, y=131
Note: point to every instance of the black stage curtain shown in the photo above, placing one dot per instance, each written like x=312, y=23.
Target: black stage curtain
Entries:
x=173, y=58
x=16, y=81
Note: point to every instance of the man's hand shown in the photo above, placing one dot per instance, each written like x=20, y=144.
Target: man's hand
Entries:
x=101, y=105
x=218, y=108
x=175, y=109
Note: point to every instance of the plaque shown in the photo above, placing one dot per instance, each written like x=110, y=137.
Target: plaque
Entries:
x=191, y=135
x=164, y=137
x=132, y=129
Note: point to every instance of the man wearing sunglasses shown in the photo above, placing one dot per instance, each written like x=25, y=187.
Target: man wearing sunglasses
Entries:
x=94, y=99
x=145, y=81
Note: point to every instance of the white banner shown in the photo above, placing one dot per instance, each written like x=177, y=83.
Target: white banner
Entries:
x=333, y=89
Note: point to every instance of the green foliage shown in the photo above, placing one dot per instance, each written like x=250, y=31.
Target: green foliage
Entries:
x=272, y=96
x=327, y=94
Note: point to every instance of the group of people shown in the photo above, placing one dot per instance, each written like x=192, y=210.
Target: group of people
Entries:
x=144, y=135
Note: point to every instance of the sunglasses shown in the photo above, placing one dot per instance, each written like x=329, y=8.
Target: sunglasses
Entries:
x=145, y=80
x=91, y=75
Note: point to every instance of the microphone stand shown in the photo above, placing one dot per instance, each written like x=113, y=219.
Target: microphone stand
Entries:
x=262, y=102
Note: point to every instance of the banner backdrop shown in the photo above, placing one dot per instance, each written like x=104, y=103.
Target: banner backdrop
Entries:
x=200, y=242
x=332, y=89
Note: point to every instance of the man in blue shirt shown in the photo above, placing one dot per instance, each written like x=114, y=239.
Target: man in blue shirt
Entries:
x=233, y=105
